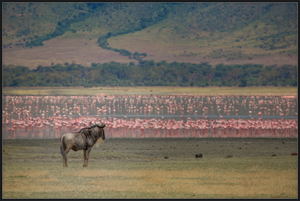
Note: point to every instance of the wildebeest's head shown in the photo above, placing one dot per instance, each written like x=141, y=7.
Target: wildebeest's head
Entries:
x=101, y=125
x=103, y=133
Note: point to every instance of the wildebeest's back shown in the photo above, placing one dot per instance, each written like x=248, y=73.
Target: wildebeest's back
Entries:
x=75, y=141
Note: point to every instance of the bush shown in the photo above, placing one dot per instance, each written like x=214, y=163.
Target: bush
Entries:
x=283, y=84
x=243, y=83
x=294, y=83
x=56, y=85
x=88, y=85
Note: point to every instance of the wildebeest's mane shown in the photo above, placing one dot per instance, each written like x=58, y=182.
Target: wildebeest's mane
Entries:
x=90, y=134
x=88, y=128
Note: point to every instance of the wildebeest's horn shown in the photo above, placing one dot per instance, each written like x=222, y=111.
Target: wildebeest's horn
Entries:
x=101, y=125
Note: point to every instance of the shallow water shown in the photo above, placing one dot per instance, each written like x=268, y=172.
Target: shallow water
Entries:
x=178, y=108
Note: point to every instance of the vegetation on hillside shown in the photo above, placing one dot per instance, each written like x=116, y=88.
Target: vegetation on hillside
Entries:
x=149, y=73
x=265, y=27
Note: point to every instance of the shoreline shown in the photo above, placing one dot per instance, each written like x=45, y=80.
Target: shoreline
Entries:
x=153, y=90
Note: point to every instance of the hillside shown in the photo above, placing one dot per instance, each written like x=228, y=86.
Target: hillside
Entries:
x=229, y=33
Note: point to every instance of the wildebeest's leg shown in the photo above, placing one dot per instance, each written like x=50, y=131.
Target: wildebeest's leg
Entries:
x=63, y=152
x=84, y=158
x=87, y=156
x=65, y=159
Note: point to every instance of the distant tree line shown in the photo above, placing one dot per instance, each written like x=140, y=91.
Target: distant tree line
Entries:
x=150, y=73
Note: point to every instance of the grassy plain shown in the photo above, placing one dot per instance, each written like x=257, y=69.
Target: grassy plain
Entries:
x=136, y=168
x=159, y=44
x=79, y=50
x=149, y=90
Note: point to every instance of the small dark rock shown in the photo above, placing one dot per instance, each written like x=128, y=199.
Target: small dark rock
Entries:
x=166, y=157
x=198, y=155
x=294, y=154
x=282, y=142
x=229, y=156
x=273, y=154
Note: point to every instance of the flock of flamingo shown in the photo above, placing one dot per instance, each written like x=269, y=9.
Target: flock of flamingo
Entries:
x=152, y=115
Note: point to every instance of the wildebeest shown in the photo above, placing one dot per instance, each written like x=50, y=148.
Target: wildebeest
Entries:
x=83, y=140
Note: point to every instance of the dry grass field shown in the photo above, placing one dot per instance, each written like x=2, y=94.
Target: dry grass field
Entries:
x=78, y=50
x=149, y=90
x=159, y=46
x=83, y=49
x=137, y=168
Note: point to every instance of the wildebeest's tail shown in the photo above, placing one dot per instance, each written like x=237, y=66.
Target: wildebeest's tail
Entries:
x=62, y=151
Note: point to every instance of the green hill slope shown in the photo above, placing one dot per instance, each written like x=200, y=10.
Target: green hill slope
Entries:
x=194, y=32
x=226, y=31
